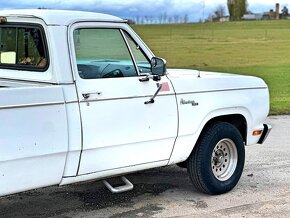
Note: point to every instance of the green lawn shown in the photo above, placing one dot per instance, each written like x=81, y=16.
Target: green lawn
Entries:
x=259, y=48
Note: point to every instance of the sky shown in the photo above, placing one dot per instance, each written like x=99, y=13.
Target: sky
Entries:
x=128, y=9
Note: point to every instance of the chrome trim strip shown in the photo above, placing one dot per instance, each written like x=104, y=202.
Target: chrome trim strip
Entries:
x=130, y=51
x=30, y=81
x=220, y=90
x=36, y=82
x=71, y=102
x=36, y=105
x=171, y=94
x=123, y=98
x=93, y=21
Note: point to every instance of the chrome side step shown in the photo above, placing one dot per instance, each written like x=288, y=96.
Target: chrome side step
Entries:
x=127, y=187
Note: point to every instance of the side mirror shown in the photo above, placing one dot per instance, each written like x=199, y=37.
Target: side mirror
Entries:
x=158, y=66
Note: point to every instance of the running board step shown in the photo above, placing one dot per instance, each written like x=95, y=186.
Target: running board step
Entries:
x=127, y=187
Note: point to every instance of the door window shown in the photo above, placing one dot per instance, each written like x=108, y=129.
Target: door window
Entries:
x=102, y=53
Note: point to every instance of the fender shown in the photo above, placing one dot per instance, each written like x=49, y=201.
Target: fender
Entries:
x=185, y=143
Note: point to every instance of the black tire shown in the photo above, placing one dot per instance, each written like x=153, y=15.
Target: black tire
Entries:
x=217, y=161
x=182, y=164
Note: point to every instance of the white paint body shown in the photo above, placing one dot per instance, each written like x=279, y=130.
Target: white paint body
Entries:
x=51, y=135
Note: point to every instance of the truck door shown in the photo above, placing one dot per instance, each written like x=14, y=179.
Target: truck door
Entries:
x=119, y=129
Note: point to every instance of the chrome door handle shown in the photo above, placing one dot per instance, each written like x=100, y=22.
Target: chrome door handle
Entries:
x=88, y=94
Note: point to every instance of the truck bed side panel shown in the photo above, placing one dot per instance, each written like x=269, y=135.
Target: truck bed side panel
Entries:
x=33, y=137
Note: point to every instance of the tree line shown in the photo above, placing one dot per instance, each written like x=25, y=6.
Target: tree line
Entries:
x=236, y=9
x=161, y=19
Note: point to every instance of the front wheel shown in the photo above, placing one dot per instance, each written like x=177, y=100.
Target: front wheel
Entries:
x=217, y=161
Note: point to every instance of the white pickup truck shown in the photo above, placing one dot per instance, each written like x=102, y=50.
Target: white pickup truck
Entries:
x=83, y=98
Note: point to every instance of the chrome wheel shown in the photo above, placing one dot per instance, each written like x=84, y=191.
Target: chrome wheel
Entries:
x=224, y=159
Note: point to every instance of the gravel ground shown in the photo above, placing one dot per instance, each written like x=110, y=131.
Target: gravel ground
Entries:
x=263, y=191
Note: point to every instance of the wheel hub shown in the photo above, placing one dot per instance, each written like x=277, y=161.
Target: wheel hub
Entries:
x=218, y=158
x=224, y=159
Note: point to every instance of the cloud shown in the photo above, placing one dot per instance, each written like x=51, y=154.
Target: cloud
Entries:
x=196, y=9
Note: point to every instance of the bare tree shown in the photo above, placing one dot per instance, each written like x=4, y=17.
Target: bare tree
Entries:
x=137, y=19
x=151, y=19
x=146, y=19
x=185, y=19
x=160, y=18
x=220, y=11
x=176, y=19
x=210, y=17
x=165, y=17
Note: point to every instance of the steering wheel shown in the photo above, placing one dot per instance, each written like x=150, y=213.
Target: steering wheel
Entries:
x=114, y=74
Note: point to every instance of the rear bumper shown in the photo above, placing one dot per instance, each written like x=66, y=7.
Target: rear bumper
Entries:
x=267, y=129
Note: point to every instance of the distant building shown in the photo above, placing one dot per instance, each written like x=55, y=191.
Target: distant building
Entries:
x=276, y=15
x=219, y=19
x=269, y=15
x=252, y=17
x=277, y=11
x=225, y=19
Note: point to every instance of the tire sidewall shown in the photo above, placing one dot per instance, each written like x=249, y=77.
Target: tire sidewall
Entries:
x=219, y=132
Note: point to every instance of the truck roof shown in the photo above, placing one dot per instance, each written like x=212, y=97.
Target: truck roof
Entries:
x=60, y=17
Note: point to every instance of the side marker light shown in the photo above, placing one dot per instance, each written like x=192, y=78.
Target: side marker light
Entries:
x=257, y=132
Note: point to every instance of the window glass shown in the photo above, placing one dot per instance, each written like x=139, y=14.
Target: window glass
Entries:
x=8, y=45
x=141, y=60
x=102, y=53
x=22, y=47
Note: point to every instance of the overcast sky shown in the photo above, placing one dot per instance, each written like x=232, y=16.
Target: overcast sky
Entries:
x=195, y=9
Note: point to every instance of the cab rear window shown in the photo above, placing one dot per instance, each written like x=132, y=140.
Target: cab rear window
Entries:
x=23, y=48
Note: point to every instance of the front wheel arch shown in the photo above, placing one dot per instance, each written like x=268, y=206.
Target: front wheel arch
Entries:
x=237, y=120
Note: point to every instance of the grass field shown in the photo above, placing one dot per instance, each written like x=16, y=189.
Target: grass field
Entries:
x=259, y=48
